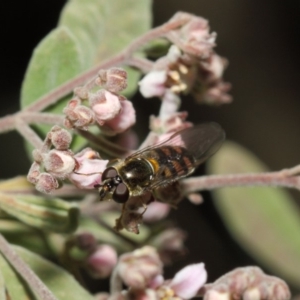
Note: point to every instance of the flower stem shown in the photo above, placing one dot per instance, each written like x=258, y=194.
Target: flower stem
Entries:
x=27, y=274
x=29, y=134
x=211, y=182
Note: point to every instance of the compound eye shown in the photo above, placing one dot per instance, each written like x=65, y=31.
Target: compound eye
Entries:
x=121, y=193
x=109, y=173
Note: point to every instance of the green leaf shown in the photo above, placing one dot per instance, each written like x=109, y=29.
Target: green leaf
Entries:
x=20, y=234
x=265, y=221
x=18, y=184
x=2, y=288
x=61, y=283
x=104, y=28
x=16, y=288
x=56, y=59
x=48, y=214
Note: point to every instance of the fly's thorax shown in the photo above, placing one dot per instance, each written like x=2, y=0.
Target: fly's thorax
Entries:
x=136, y=172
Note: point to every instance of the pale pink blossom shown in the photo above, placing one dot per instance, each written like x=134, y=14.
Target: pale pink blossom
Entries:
x=89, y=168
x=153, y=84
x=123, y=120
x=105, y=105
x=188, y=281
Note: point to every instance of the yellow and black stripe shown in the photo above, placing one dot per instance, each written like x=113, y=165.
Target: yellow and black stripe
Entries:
x=175, y=161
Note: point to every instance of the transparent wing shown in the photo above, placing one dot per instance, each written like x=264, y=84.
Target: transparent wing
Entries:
x=201, y=141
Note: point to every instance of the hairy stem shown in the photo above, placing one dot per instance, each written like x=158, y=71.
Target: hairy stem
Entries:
x=24, y=129
x=143, y=64
x=27, y=274
x=211, y=182
x=42, y=118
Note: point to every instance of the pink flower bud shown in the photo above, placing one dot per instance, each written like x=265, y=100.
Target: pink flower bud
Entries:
x=81, y=92
x=214, y=67
x=60, y=138
x=37, y=155
x=249, y=283
x=77, y=115
x=216, y=94
x=34, y=173
x=139, y=268
x=46, y=183
x=89, y=168
x=124, y=120
x=105, y=105
x=113, y=80
x=102, y=261
x=197, y=38
x=59, y=163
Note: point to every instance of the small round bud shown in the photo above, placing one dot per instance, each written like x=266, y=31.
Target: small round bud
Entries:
x=86, y=241
x=46, y=183
x=34, y=173
x=81, y=92
x=77, y=115
x=37, y=155
x=116, y=80
x=102, y=261
x=60, y=138
x=113, y=80
x=138, y=268
x=59, y=163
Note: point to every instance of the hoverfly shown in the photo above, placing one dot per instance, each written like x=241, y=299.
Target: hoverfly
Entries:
x=160, y=165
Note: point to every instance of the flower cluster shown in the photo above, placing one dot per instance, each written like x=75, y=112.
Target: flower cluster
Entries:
x=191, y=66
x=106, y=107
x=50, y=166
x=141, y=272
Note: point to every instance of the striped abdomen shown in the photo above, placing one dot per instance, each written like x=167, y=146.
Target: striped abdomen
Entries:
x=170, y=162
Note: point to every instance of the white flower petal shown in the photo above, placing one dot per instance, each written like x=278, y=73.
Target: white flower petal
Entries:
x=189, y=280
